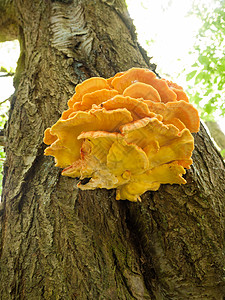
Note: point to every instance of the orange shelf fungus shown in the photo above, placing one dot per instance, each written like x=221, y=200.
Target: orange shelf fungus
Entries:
x=136, y=107
x=176, y=112
x=131, y=132
x=68, y=130
x=142, y=90
x=89, y=85
x=178, y=90
x=135, y=75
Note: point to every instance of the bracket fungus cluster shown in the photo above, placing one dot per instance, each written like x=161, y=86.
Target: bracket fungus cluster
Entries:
x=131, y=132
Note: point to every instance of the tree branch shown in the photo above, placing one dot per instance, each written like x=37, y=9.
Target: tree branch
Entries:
x=8, y=74
x=216, y=133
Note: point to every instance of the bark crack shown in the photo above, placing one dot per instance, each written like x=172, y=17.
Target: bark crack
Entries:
x=124, y=279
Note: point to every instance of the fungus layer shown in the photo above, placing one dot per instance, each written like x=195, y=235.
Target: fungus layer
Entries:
x=131, y=132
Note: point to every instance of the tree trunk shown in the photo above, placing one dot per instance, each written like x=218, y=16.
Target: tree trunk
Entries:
x=57, y=242
x=217, y=134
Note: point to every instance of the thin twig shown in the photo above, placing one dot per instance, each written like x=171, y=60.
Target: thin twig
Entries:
x=4, y=101
x=8, y=74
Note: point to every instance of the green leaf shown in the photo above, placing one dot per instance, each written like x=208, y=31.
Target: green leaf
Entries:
x=196, y=98
x=204, y=60
x=208, y=91
x=3, y=69
x=195, y=65
x=199, y=77
x=191, y=75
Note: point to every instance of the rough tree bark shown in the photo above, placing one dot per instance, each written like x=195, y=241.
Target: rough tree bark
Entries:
x=60, y=243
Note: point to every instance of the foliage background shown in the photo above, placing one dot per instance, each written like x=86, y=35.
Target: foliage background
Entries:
x=207, y=73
